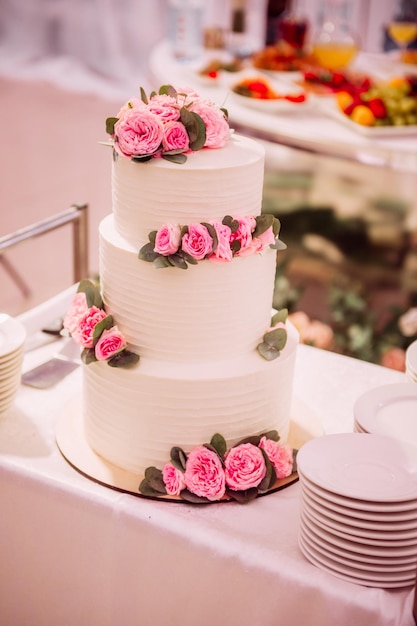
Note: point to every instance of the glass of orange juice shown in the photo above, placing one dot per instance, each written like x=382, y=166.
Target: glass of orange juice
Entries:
x=403, y=26
x=335, y=45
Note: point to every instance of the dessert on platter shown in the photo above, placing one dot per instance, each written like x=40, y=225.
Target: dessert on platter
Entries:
x=179, y=348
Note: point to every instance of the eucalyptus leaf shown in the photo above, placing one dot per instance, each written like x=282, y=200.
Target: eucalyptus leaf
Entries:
x=213, y=235
x=270, y=476
x=178, y=157
x=140, y=158
x=184, y=231
x=190, y=259
x=271, y=434
x=110, y=122
x=276, y=338
x=192, y=498
x=278, y=245
x=279, y=317
x=152, y=237
x=147, y=253
x=195, y=127
x=125, y=358
x=143, y=96
x=253, y=439
x=242, y=496
x=154, y=477
x=268, y=352
x=161, y=262
x=231, y=223
x=147, y=490
x=225, y=111
x=276, y=226
x=168, y=90
x=99, y=328
x=263, y=222
x=178, y=458
x=219, y=444
x=177, y=260
x=87, y=287
x=88, y=356
x=235, y=246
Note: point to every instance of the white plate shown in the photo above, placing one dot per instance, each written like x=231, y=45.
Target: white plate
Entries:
x=365, y=550
x=356, y=559
x=273, y=106
x=330, y=107
x=407, y=507
x=372, y=468
x=359, y=577
x=379, y=524
x=389, y=410
x=12, y=334
x=369, y=537
x=411, y=358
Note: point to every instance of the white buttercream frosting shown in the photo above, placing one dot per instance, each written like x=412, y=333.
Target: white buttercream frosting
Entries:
x=196, y=330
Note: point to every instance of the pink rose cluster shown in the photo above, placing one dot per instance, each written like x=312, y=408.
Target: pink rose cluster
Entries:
x=154, y=127
x=214, y=241
x=207, y=475
x=81, y=321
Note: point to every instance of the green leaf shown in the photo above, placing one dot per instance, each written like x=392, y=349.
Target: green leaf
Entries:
x=279, y=317
x=143, y=96
x=195, y=127
x=99, y=328
x=178, y=157
x=219, y=444
x=269, y=353
x=178, y=458
x=184, y=231
x=263, y=222
x=190, y=259
x=276, y=338
x=152, y=237
x=161, y=261
x=242, y=496
x=154, y=477
x=278, y=245
x=88, y=356
x=213, y=235
x=231, y=223
x=147, y=490
x=177, y=260
x=110, y=122
x=125, y=358
x=139, y=158
x=168, y=90
x=235, y=246
x=225, y=111
x=271, y=434
x=147, y=253
x=191, y=497
x=87, y=286
x=270, y=477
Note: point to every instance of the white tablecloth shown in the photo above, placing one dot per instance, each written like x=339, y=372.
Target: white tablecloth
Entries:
x=75, y=552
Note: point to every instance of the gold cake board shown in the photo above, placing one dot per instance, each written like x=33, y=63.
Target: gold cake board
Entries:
x=74, y=448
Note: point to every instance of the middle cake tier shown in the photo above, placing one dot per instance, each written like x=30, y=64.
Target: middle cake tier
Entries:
x=206, y=313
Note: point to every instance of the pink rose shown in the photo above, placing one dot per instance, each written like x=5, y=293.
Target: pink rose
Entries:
x=197, y=242
x=83, y=335
x=259, y=243
x=319, y=335
x=168, y=239
x=173, y=479
x=111, y=342
x=175, y=137
x=133, y=103
x=165, y=107
x=204, y=475
x=407, y=322
x=77, y=309
x=394, y=358
x=223, y=251
x=244, y=233
x=244, y=467
x=139, y=132
x=217, y=127
x=281, y=456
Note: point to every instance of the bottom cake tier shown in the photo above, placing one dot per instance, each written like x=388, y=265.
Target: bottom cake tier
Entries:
x=133, y=417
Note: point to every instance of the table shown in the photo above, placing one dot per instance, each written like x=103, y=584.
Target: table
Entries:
x=311, y=131
x=75, y=552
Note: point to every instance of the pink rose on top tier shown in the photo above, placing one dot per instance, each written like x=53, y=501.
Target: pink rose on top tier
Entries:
x=244, y=233
x=83, y=335
x=245, y=467
x=165, y=107
x=223, y=251
x=217, y=127
x=75, y=312
x=197, y=242
x=281, y=456
x=111, y=342
x=133, y=103
x=173, y=479
x=139, y=132
x=168, y=239
x=175, y=137
x=204, y=475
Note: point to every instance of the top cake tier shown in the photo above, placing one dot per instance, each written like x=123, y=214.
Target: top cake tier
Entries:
x=213, y=182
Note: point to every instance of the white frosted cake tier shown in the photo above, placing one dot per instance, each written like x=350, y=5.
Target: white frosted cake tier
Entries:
x=208, y=312
x=136, y=416
x=211, y=184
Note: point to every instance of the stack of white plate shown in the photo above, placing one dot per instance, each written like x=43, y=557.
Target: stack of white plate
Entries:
x=12, y=339
x=411, y=362
x=388, y=410
x=359, y=508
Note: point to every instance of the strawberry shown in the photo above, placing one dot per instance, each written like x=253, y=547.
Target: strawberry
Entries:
x=295, y=98
x=378, y=108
